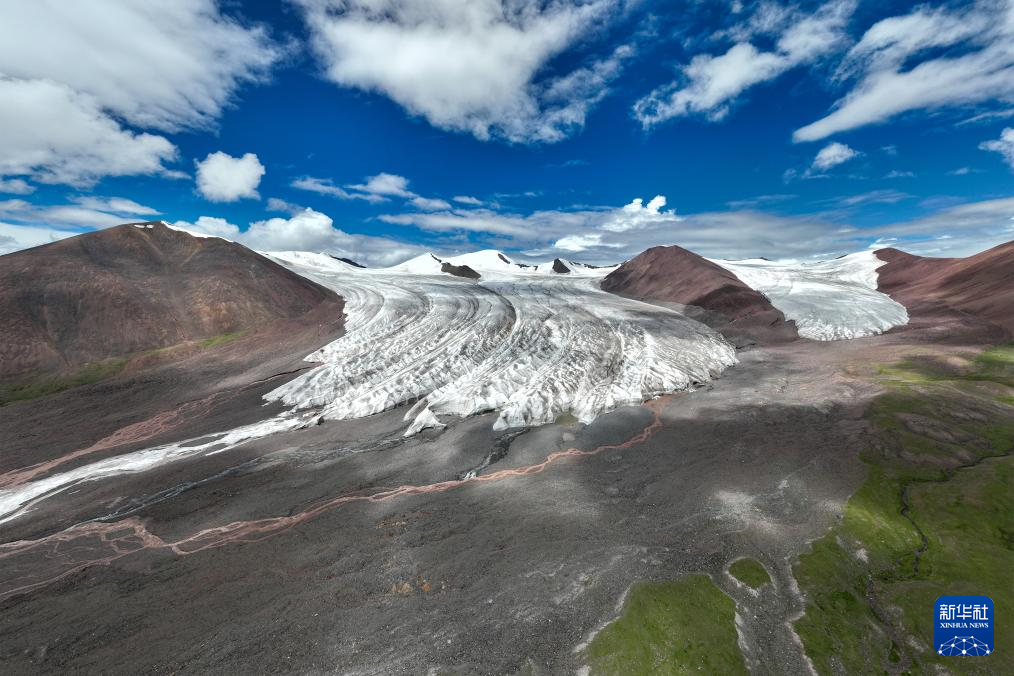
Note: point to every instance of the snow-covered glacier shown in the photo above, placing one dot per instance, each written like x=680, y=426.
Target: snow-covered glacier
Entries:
x=522, y=341
x=828, y=300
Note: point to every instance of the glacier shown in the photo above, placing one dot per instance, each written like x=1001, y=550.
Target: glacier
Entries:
x=522, y=341
x=828, y=300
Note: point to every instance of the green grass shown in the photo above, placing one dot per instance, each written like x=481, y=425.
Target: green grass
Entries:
x=41, y=387
x=94, y=372
x=221, y=339
x=869, y=596
x=750, y=572
x=681, y=627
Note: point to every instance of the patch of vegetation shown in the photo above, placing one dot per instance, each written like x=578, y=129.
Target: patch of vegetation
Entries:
x=934, y=517
x=221, y=339
x=41, y=387
x=750, y=572
x=97, y=371
x=681, y=627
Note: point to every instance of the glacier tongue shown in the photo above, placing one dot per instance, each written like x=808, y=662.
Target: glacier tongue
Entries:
x=829, y=300
x=528, y=346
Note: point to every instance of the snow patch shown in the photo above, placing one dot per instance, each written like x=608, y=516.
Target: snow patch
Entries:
x=828, y=300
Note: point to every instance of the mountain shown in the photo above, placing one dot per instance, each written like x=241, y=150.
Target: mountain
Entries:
x=674, y=275
x=349, y=261
x=489, y=261
x=137, y=287
x=981, y=285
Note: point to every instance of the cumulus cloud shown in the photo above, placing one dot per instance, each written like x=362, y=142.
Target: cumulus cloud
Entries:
x=467, y=199
x=832, y=155
x=307, y=230
x=16, y=186
x=211, y=225
x=56, y=135
x=65, y=104
x=1003, y=145
x=709, y=85
x=223, y=178
x=637, y=215
x=475, y=67
x=577, y=243
x=385, y=185
x=165, y=65
x=903, y=63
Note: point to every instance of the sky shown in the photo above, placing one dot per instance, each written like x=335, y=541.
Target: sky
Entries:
x=591, y=130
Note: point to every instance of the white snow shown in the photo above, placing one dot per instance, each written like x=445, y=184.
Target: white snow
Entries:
x=19, y=499
x=828, y=300
x=525, y=344
x=492, y=263
x=529, y=346
x=306, y=259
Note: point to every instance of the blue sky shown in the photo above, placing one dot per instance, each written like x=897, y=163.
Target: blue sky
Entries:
x=378, y=129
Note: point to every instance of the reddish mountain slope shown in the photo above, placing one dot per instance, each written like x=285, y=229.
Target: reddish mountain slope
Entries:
x=673, y=274
x=981, y=285
x=133, y=288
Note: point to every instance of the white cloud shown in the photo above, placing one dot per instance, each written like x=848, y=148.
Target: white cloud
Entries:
x=165, y=65
x=17, y=237
x=577, y=243
x=118, y=205
x=378, y=188
x=308, y=230
x=74, y=75
x=832, y=155
x=40, y=224
x=1003, y=145
x=16, y=186
x=223, y=178
x=885, y=196
x=636, y=216
x=892, y=80
x=56, y=135
x=604, y=234
x=430, y=203
x=276, y=204
x=83, y=212
x=385, y=185
x=471, y=67
x=210, y=225
x=710, y=84
x=466, y=199
x=325, y=186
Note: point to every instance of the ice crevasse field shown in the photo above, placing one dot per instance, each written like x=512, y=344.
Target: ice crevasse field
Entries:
x=531, y=344
x=522, y=341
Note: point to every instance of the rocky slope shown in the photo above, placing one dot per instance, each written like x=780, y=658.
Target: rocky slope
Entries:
x=133, y=288
x=674, y=275
x=981, y=285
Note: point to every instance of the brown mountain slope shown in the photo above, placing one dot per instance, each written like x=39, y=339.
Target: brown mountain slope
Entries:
x=674, y=275
x=137, y=287
x=981, y=285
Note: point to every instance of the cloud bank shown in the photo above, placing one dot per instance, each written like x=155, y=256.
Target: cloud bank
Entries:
x=472, y=67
